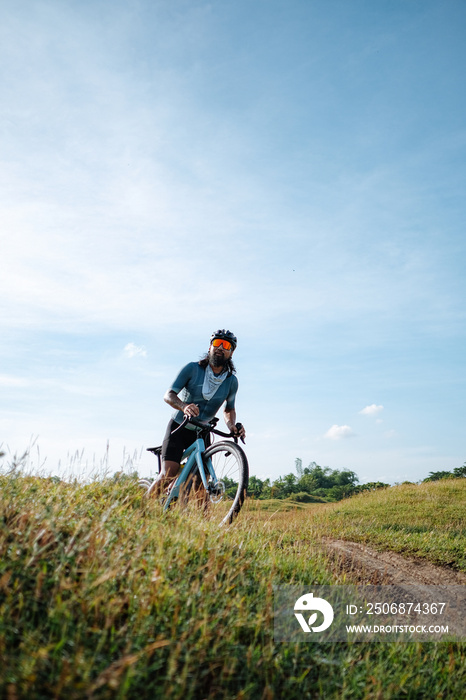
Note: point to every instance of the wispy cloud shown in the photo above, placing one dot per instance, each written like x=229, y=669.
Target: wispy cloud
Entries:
x=132, y=350
x=371, y=410
x=339, y=432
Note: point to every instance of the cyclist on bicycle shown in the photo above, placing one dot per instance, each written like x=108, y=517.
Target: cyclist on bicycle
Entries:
x=205, y=386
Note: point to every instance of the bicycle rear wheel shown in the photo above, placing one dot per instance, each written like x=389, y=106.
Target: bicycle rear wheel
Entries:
x=231, y=469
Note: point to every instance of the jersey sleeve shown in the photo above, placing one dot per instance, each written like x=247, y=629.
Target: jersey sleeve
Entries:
x=183, y=378
x=230, y=405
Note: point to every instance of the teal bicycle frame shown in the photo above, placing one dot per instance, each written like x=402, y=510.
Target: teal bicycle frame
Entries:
x=193, y=455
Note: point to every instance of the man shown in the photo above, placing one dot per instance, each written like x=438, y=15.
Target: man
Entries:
x=205, y=386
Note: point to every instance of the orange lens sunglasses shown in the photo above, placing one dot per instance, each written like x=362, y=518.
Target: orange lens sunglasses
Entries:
x=218, y=342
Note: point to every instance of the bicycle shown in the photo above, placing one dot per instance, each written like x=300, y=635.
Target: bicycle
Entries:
x=222, y=467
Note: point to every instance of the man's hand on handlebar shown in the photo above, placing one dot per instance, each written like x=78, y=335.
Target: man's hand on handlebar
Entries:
x=238, y=431
x=191, y=410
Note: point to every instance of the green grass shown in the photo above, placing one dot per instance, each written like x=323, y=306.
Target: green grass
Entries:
x=102, y=595
x=277, y=505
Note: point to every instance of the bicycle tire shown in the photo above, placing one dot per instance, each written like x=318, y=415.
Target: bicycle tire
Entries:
x=145, y=483
x=230, y=462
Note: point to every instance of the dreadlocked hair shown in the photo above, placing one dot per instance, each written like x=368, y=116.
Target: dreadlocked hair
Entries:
x=204, y=361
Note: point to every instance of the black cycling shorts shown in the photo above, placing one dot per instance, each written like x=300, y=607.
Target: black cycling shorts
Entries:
x=173, y=446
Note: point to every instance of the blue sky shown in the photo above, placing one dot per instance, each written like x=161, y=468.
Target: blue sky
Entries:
x=293, y=171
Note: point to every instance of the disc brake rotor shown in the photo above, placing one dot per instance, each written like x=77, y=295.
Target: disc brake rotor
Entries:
x=217, y=492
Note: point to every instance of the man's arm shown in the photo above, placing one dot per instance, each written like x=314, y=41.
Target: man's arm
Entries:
x=189, y=409
x=230, y=421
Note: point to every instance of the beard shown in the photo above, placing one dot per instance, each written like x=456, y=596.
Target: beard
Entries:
x=217, y=360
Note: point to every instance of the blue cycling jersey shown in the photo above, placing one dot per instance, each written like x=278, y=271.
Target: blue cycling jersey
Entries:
x=191, y=380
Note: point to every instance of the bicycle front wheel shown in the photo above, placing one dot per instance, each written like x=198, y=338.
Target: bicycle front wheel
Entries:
x=231, y=470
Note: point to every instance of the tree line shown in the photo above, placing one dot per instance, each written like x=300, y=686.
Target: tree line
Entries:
x=314, y=484
x=455, y=474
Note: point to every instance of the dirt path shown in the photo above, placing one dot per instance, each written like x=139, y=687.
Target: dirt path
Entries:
x=364, y=564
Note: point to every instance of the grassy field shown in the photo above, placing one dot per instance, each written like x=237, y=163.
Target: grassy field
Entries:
x=102, y=595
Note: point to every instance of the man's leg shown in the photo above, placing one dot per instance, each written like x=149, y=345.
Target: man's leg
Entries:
x=173, y=447
x=170, y=469
x=168, y=474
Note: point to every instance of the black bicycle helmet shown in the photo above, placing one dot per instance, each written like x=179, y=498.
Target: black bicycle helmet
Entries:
x=225, y=335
